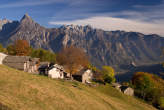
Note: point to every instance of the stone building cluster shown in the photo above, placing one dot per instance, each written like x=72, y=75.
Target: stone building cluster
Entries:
x=33, y=65
x=54, y=71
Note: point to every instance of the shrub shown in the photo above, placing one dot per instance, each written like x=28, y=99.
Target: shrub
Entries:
x=93, y=68
x=149, y=87
x=108, y=74
x=11, y=50
x=2, y=49
x=44, y=55
x=161, y=103
x=143, y=84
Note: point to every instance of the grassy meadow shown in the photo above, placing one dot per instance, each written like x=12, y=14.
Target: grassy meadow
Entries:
x=24, y=91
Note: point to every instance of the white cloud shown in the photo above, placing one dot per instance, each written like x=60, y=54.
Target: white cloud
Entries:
x=111, y=23
x=151, y=13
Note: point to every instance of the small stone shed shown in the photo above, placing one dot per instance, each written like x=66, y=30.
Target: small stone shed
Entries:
x=24, y=63
x=43, y=68
x=117, y=86
x=127, y=90
x=2, y=57
x=53, y=71
x=84, y=76
x=57, y=72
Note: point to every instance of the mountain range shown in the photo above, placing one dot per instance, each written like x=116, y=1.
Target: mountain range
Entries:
x=114, y=48
x=2, y=22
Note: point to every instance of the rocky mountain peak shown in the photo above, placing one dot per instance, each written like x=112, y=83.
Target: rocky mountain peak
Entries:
x=77, y=28
x=71, y=27
x=27, y=24
x=103, y=47
x=3, y=22
x=26, y=19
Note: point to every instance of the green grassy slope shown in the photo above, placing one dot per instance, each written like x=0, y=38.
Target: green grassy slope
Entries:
x=23, y=91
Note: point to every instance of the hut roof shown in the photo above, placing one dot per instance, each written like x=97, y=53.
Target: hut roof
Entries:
x=2, y=54
x=35, y=59
x=123, y=88
x=116, y=85
x=44, y=65
x=81, y=72
x=16, y=59
x=58, y=67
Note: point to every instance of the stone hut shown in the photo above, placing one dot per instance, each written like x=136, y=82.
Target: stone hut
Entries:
x=117, y=86
x=57, y=72
x=84, y=76
x=2, y=57
x=43, y=68
x=127, y=90
x=24, y=63
x=53, y=71
x=33, y=66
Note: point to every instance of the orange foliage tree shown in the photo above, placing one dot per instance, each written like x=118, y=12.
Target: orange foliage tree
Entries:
x=20, y=48
x=72, y=59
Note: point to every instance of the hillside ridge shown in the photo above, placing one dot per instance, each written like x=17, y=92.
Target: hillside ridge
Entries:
x=24, y=91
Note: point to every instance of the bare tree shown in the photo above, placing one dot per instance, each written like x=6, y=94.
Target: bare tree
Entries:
x=72, y=59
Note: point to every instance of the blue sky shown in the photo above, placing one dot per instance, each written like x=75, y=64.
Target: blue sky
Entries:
x=144, y=16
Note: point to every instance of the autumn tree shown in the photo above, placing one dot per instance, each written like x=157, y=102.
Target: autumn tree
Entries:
x=108, y=74
x=72, y=59
x=149, y=87
x=20, y=48
x=143, y=83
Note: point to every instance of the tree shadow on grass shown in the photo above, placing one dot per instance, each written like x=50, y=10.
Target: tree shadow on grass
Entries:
x=4, y=107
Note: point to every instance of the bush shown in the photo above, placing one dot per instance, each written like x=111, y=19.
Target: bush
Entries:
x=11, y=50
x=44, y=55
x=93, y=68
x=108, y=74
x=161, y=103
x=149, y=87
x=2, y=49
x=143, y=84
